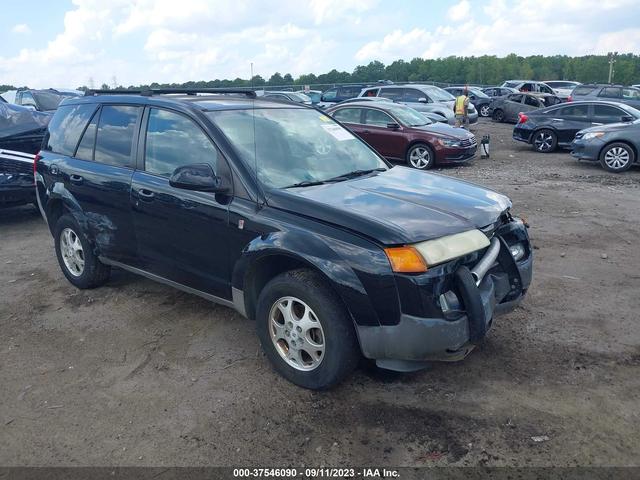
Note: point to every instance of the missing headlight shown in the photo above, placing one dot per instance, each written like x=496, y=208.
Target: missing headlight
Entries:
x=517, y=251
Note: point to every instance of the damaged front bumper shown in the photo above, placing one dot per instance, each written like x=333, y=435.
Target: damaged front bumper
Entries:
x=468, y=298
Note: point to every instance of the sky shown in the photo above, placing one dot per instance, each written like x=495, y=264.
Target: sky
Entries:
x=69, y=43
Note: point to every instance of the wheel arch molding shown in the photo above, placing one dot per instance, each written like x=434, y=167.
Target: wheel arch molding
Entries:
x=360, y=277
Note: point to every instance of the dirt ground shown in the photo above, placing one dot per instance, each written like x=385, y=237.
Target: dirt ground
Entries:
x=136, y=373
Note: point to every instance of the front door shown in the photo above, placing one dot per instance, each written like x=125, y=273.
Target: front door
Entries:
x=182, y=234
x=388, y=142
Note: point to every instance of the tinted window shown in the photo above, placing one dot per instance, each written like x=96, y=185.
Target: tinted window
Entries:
x=349, y=92
x=174, y=140
x=582, y=90
x=611, y=92
x=85, y=149
x=545, y=89
x=392, y=93
x=116, y=129
x=48, y=100
x=372, y=92
x=515, y=98
x=348, y=115
x=532, y=101
x=573, y=111
x=66, y=126
x=377, y=118
x=413, y=95
x=27, y=99
x=330, y=94
x=607, y=111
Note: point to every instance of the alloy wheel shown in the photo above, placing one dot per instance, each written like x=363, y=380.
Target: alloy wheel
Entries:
x=72, y=252
x=484, y=111
x=420, y=158
x=617, y=158
x=296, y=333
x=543, y=141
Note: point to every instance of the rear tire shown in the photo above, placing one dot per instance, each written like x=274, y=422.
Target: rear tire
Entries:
x=545, y=141
x=420, y=156
x=498, y=115
x=306, y=331
x=75, y=255
x=617, y=157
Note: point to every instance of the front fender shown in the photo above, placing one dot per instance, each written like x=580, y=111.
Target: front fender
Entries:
x=357, y=270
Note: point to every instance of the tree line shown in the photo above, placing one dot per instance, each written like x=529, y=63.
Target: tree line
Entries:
x=483, y=70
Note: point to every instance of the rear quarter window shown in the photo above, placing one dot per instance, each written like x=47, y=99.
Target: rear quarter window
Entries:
x=66, y=126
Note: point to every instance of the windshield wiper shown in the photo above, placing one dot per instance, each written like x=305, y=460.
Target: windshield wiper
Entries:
x=305, y=183
x=354, y=174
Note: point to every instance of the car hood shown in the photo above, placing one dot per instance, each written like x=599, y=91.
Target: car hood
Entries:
x=445, y=130
x=398, y=206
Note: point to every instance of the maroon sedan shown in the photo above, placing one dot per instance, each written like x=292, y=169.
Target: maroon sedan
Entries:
x=399, y=133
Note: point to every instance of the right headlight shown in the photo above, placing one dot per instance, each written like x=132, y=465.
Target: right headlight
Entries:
x=590, y=135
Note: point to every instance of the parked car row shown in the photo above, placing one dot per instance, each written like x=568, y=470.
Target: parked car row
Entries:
x=277, y=210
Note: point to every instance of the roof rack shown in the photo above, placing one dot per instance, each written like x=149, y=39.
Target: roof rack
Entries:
x=148, y=92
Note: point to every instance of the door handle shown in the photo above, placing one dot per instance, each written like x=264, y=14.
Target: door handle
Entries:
x=75, y=178
x=558, y=119
x=146, y=194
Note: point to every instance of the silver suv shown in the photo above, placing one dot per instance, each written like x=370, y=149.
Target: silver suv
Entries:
x=423, y=98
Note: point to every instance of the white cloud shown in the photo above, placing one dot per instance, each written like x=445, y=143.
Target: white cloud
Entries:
x=21, y=28
x=460, y=11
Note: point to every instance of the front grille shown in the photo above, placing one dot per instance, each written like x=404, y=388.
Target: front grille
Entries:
x=468, y=142
x=14, y=166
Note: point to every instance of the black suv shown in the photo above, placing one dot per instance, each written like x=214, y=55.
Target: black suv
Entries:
x=277, y=210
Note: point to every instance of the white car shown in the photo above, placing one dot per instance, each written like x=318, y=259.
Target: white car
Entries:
x=562, y=87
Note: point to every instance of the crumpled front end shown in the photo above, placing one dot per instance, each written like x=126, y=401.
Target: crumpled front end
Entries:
x=451, y=307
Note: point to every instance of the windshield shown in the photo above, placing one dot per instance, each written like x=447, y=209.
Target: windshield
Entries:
x=438, y=94
x=294, y=145
x=478, y=93
x=408, y=116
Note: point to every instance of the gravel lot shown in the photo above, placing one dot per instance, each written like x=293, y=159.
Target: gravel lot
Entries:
x=136, y=373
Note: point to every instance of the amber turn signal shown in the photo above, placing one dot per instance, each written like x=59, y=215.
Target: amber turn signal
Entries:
x=405, y=260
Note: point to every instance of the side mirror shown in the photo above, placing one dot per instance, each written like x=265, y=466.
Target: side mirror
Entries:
x=627, y=118
x=199, y=177
x=422, y=100
x=393, y=126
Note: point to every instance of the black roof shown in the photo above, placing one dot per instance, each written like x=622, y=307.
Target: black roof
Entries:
x=201, y=99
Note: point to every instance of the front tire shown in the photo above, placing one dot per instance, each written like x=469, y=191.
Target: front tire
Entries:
x=484, y=111
x=420, y=156
x=617, y=157
x=75, y=255
x=545, y=141
x=498, y=115
x=305, y=330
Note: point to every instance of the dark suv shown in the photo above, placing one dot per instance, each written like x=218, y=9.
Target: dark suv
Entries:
x=278, y=211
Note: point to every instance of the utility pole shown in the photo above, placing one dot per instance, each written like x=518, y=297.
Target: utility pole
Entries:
x=612, y=59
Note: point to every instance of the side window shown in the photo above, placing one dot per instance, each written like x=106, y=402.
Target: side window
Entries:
x=545, y=89
x=413, y=95
x=348, y=92
x=377, y=118
x=607, y=111
x=372, y=92
x=582, y=90
x=581, y=111
x=527, y=87
x=611, y=92
x=28, y=100
x=88, y=140
x=66, y=126
x=392, y=93
x=532, y=101
x=630, y=94
x=517, y=98
x=174, y=140
x=114, y=139
x=348, y=115
x=330, y=95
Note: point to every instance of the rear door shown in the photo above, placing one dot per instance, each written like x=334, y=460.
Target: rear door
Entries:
x=388, y=142
x=569, y=120
x=182, y=234
x=512, y=106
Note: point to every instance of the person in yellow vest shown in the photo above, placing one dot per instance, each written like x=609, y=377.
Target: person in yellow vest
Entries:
x=460, y=109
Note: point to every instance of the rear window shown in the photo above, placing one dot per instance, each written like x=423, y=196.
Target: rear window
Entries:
x=611, y=92
x=114, y=140
x=66, y=126
x=582, y=90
